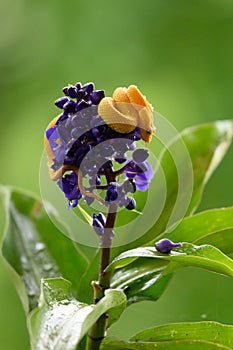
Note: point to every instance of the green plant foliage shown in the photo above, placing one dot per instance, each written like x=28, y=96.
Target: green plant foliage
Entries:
x=35, y=248
x=214, y=227
x=60, y=321
x=114, y=344
x=178, y=336
x=140, y=269
x=207, y=144
x=85, y=291
x=143, y=279
x=208, y=331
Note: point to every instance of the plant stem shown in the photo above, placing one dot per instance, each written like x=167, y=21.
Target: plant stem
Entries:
x=97, y=331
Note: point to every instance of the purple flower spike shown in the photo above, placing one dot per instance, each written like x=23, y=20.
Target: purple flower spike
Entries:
x=73, y=140
x=165, y=246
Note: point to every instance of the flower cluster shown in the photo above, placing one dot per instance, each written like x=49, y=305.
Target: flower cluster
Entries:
x=79, y=144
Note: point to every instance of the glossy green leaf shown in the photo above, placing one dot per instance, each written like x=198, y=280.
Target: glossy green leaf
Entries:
x=206, y=144
x=115, y=344
x=85, y=290
x=207, y=331
x=34, y=248
x=144, y=273
x=213, y=227
x=188, y=254
x=60, y=321
x=141, y=281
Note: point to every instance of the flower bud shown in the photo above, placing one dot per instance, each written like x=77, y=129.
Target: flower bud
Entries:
x=61, y=101
x=88, y=88
x=132, y=204
x=96, y=96
x=140, y=155
x=69, y=106
x=165, y=246
x=72, y=91
x=111, y=194
x=97, y=225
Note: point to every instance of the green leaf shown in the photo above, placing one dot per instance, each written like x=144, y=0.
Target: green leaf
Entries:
x=34, y=248
x=214, y=227
x=205, y=256
x=85, y=290
x=206, y=144
x=60, y=321
x=141, y=280
x=207, y=331
x=144, y=273
x=208, y=341
x=178, y=336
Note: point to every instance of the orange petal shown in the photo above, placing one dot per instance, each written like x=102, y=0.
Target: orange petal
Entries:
x=120, y=95
x=110, y=112
x=136, y=97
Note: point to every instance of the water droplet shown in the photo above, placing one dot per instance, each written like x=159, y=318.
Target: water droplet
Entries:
x=39, y=247
x=24, y=263
x=64, y=302
x=47, y=267
x=31, y=293
x=173, y=333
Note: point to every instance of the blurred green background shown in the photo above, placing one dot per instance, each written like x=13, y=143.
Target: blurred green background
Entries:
x=180, y=55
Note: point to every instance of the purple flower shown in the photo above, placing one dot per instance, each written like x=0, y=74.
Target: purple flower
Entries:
x=143, y=180
x=141, y=173
x=68, y=185
x=111, y=194
x=140, y=155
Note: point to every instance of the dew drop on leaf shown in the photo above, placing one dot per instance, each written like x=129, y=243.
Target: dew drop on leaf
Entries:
x=39, y=247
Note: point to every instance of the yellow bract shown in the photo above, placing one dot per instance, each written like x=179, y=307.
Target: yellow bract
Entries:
x=127, y=109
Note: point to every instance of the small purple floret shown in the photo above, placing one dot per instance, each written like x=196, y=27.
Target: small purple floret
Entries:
x=88, y=88
x=140, y=155
x=61, y=101
x=132, y=204
x=165, y=246
x=72, y=91
x=96, y=96
x=69, y=106
x=98, y=223
x=111, y=194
